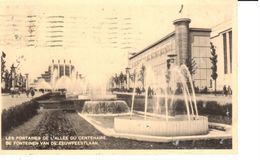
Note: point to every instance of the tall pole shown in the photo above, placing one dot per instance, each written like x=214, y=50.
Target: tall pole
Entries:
x=13, y=74
x=127, y=77
x=27, y=81
x=70, y=68
x=58, y=68
x=64, y=74
x=52, y=73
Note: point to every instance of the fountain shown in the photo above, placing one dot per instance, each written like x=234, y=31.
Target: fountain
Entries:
x=73, y=86
x=103, y=102
x=42, y=84
x=63, y=82
x=66, y=94
x=157, y=123
x=99, y=93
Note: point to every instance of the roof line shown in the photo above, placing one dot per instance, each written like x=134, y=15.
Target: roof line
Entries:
x=166, y=37
x=219, y=33
x=154, y=44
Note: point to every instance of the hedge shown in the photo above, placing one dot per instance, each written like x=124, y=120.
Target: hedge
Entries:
x=103, y=107
x=207, y=107
x=18, y=114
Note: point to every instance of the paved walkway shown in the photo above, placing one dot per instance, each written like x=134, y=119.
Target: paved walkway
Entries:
x=8, y=101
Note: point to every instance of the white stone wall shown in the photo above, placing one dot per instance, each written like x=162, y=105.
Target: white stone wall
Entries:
x=156, y=57
x=217, y=40
x=200, y=51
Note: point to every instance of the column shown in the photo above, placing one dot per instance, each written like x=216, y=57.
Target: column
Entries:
x=70, y=69
x=182, y=45
x=64, y=74
x=27, y=81
x=58, y=69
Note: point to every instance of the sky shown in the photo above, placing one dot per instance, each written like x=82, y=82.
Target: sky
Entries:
x=96, y=35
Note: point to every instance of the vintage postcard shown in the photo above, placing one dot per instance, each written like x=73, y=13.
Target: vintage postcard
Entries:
x=117, y=77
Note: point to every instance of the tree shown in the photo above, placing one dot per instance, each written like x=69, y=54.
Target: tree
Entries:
x=121, y=79
x=3, y=66
x=7, y=81
x=132, y=76
x=116, y=80
x=20, y=81
x=111, y=83
x=192, y=65
x=214, y=61
x=142, y=72
x=125, y=78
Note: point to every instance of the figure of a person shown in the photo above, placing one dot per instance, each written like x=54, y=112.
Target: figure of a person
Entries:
x=149, y=91
x=32, y=92
x=229, y=90
x=225, y=90
x=27, y=92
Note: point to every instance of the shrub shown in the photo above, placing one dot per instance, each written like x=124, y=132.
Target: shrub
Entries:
x=17, y=115
x=78, y=104
x=103, y=107
x=205, y=107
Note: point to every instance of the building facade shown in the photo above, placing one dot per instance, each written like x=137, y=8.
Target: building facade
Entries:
x=186, y=43
x=58, y=69
x=221, y=37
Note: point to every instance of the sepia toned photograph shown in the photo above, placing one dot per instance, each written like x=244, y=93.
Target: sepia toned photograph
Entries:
x=118, y=76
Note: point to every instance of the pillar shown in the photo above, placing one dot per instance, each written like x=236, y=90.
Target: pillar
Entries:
x=27, y=81
x=64, y=73
x=70, y=69
x=13, y=75
x=182, y=46
x=59, y=69
x=127, y=77
x=52, y=73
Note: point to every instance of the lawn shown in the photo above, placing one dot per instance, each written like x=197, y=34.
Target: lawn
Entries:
x=63, y=123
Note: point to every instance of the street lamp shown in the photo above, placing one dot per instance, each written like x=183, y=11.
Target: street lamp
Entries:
x=127, y=71
x=13, y=74
x=26, y=81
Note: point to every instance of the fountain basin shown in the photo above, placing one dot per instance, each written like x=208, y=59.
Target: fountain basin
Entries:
x=154, y=126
